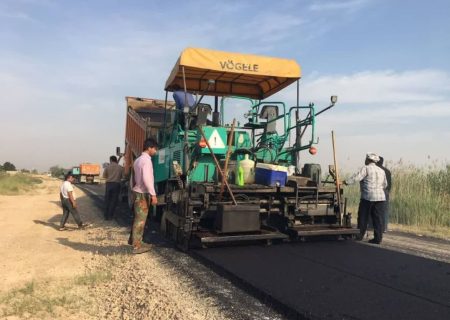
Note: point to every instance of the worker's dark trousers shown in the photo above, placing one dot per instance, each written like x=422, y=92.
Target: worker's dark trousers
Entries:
x=374, y=209
x=68, y=208
x=111, y=198
x=386, y=213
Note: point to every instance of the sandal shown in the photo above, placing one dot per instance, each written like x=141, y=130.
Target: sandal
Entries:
x=62, y=228
x=145, y=247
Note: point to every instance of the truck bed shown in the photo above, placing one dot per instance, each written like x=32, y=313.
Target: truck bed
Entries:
x=144, y=118
x=90, y=169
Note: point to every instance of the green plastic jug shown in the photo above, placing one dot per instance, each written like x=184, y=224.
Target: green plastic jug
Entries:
x=240, y=176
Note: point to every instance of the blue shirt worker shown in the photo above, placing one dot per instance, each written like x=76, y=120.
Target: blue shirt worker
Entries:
x=180, y=97
x=373, y=198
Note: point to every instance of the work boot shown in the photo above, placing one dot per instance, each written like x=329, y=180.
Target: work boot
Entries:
x=359, y=237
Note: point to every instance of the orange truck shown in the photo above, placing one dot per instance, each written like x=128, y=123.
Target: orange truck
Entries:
x=87, y=173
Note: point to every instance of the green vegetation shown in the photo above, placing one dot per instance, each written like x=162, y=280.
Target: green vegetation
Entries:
x=17, y=184
x=39, y=299
x=7, y=166
x=43, y=298
x=57, y=171
x=92, y=278
x=419, y=196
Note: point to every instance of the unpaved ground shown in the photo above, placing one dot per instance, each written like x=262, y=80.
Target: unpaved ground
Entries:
x=90, y=274
x=84, y=274
x=430, y=248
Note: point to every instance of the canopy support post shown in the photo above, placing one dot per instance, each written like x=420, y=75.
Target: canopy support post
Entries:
x=186, y=127
x=298, y=135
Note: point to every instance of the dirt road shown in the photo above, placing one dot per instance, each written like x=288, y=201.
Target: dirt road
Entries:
x=82, y=274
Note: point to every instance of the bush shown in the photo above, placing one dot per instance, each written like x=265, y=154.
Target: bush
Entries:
x=8, y=166
x=57, y=171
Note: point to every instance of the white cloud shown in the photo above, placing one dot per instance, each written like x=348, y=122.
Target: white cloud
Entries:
x=399, y=114
x=390, y=113
x=337, y=5
x=21, y=10
x=261, y=28
x=16, y=15
x=377, y=87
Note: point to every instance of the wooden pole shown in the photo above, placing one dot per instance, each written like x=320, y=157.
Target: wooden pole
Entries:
x=227, y=158
x=217, y=165
x=336, y=171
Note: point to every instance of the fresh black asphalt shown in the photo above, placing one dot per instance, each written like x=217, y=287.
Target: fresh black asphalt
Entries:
x=341, y=280
x=337, y=279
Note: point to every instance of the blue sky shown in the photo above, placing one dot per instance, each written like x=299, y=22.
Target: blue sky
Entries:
x=66, y=66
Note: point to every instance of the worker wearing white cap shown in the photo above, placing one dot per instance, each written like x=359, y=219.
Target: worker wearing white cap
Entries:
x=372, y=183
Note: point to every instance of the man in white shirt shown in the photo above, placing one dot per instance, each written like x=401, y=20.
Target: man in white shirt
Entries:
x=373, y=182
x=68, y=202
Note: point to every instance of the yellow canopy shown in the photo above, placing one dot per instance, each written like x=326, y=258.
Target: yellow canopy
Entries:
x=236, y=74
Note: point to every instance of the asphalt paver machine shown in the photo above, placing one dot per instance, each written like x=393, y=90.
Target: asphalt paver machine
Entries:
x=233, y=182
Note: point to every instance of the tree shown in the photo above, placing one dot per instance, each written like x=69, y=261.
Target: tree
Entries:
x=34, y=171
x=56, y=171
x=8, y=166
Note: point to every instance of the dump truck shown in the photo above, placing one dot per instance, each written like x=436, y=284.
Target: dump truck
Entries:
x=145, y=118
x=241, y=181
x=87, y=173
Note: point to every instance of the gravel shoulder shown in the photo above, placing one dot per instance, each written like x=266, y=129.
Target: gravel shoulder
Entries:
x=426, y=247
x=87, y=274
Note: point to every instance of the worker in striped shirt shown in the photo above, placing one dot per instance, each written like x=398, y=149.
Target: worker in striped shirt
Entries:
x=373, y=183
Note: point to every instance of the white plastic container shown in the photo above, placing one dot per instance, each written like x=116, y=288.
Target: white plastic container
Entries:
x=249, y=170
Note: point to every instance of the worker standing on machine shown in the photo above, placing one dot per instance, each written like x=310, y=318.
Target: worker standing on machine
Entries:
x=182, y=99
x=373, y=184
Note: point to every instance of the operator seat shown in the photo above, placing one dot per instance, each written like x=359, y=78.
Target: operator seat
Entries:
x=203, y=110
x=200, y=117
x=269, y=112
